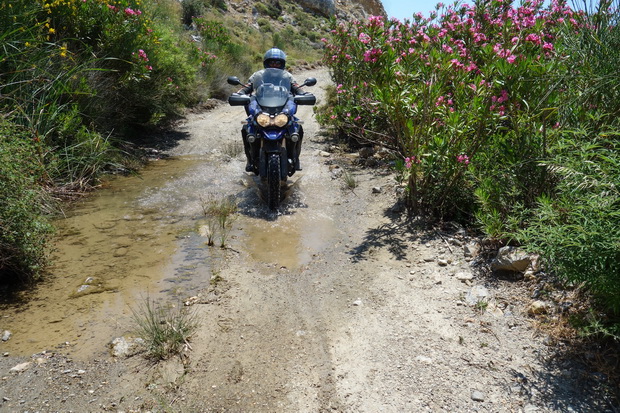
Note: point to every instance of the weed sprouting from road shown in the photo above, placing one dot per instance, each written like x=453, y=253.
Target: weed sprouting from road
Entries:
x=165, y=328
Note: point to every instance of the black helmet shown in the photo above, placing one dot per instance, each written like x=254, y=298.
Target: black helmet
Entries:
x=274, y=55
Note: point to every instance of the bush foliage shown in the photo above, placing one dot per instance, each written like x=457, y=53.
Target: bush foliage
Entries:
x=499, y=113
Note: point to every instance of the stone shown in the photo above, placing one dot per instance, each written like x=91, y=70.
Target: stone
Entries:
x=124, y=347
x=376, y=190
x=476, y=294
x=6, y=335
x=367, y=152
x=21, y=367
x=464, y=276
x=477, y=396
x=337, y=173
x=424, y=359
x=471, y=249
x=511, y=259
x=538, y=307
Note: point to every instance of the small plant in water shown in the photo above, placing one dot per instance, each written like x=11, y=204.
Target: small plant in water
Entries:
x=165, y=329
x=220, y=214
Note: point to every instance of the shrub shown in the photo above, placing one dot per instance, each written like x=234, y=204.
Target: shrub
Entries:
x=23, y=228
x=450, y=93
x=577, y=231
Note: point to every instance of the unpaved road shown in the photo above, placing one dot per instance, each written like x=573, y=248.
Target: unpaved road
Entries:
x=339, y=304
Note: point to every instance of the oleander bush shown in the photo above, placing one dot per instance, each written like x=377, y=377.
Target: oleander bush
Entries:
x=499, y=114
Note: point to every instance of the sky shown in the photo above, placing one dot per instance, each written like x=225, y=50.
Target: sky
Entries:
x=402, y=9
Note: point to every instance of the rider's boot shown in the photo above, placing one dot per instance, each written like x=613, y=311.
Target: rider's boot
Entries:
x=247, y=149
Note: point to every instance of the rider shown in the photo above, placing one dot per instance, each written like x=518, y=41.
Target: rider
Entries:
x=274, y=59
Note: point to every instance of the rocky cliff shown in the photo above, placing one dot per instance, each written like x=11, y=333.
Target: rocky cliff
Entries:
x=345, y=9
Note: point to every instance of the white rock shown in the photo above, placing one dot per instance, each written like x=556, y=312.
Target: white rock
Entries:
x=464, y=276
x=477, y=396
x=476, y=294
x=6, y=335
x=123, y=347
x=511, y=259
x=424, y=359
x=21, y=367
x=538, y=307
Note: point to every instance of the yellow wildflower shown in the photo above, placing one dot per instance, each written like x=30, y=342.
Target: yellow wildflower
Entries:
x=52, y=30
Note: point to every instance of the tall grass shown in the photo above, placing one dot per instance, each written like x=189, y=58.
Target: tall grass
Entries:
x=165, y=329
x=23, y=229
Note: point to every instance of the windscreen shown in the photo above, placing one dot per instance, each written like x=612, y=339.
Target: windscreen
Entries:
x=272, y=88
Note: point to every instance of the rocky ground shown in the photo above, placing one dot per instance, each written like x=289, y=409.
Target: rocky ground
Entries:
x=391, y=315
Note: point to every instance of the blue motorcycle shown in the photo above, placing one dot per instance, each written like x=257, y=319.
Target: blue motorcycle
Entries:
x=272, y=133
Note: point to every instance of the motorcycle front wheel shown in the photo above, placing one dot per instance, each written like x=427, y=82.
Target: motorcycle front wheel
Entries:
x=273, y=181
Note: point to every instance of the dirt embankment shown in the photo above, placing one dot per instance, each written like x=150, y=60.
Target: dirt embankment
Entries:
x=338, y=304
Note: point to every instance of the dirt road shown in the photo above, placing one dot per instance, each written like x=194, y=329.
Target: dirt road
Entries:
x=338, y=304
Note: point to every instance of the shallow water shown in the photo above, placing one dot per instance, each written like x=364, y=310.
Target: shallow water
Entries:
x=139, y=238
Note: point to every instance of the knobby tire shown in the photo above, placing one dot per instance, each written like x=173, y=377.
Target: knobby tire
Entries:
x=273, y=181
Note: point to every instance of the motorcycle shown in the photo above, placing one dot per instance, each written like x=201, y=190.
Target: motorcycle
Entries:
x=272, y=133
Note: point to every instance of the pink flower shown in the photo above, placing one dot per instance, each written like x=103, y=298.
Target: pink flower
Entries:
x=511, y=59
x=471, y=67
x=464, y=159
x=364, y=38
x=372, y=55
x=409, y=161
x=534, y=38
x=503, y=96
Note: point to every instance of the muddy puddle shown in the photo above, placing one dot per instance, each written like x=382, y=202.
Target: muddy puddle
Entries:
x=138, y=238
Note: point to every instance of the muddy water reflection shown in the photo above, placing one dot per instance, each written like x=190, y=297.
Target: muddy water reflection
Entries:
x=289, y=242
x=110, y=251
x=138, y=238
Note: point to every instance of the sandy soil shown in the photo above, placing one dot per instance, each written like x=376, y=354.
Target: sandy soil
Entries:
x=383, y=315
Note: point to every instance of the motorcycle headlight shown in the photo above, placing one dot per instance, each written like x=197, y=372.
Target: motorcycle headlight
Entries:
x=263, y=120
x=280, y=120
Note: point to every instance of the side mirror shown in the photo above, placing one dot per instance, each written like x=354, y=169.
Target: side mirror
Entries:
x=234, y=80
x=307, y=99
x=309, y=82
x=239, y=100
